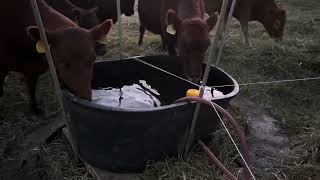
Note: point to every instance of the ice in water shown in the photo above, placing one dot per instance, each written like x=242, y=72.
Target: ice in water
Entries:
x=140, y=95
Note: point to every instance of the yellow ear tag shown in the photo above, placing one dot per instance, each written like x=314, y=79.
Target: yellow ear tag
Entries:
x=193, y=93
x=206, y=16
x=171, y=30
x=40, y=47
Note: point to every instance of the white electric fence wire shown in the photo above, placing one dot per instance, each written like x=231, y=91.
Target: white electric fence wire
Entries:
x=226, y=85
x=234, y=143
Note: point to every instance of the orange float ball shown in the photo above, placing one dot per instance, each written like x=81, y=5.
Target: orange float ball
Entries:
x=193, y=93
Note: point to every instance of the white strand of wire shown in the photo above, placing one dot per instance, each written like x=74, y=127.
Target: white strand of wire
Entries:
x=234, y=143
x=226, y=85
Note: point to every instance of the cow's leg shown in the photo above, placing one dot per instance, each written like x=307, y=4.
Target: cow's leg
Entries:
x=171, y=49
x=2, y=77
x=244, y=33
x=31, y=86
x=164, y=47
x=142, y=30
x=170, y=43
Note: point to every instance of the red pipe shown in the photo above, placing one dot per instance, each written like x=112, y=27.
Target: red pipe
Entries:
x=216, y=161
x=231, y=121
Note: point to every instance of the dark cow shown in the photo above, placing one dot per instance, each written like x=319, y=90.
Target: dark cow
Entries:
x=72, y=47
x=181, y=24
x=107, y=8
x=84, y=18
x=267, y=12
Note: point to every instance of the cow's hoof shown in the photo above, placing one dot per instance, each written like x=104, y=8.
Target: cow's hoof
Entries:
x=140, y=43
x=34, y=112
x=32, y=117
x=35, y=116
x=101, y=52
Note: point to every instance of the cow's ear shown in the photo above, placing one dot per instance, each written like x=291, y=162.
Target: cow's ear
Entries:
x=212, y=20
x=34, y=33
x=102, y=29
x=172, y=21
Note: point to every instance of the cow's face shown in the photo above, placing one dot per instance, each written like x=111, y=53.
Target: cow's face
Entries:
x=86, y=18
x=192, y=42
x=275, y=21
x=127, y=7
x=73, y=54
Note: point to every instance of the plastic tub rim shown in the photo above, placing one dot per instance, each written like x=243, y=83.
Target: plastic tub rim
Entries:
x=87, y=103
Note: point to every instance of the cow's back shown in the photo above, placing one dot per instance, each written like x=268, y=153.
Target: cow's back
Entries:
x=107, y=8
x=242, y=7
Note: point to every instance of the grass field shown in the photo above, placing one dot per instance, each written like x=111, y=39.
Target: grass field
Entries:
x=296, y=104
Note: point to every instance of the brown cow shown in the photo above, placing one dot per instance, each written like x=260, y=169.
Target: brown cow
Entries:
x=267, y=12
x=107, y=8
x=181, y=24
x=72, y=47
x=84, y=18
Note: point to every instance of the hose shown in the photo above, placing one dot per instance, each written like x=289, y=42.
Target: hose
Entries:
x=216, y=161
x=231, y=121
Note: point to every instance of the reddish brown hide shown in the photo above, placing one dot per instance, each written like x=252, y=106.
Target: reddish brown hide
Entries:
x=107, y=9
x=268, y=12
x=84, y=18
x=190, y=31
x=72, y=47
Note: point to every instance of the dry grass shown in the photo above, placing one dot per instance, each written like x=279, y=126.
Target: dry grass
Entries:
x=295, y=105
x=58, y=162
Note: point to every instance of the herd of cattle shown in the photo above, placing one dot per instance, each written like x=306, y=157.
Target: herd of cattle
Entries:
x=73, y=28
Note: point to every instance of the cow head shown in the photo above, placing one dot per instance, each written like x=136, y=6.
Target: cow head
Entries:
x=73, y=54
x=127, y=7
x=192, y=41
x=274, y=21
x=86, y=18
